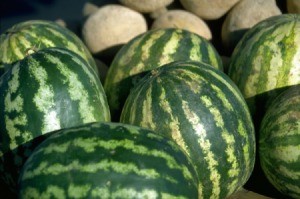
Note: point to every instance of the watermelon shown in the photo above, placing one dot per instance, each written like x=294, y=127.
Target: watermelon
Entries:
x=266, y=61
x=202, y=110
x=279, y=142
x=108, y=160
x=17, y=41
x=151, y=50
x=51, y=89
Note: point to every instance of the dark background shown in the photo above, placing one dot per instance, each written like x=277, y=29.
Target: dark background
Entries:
x=15, y=11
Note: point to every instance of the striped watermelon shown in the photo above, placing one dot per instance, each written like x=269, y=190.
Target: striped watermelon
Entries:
x=108, y=160
x=279, y=142
x=203, y=111
x=51, y=89
x=266, y=60
x=151, y=50
x=37, y=35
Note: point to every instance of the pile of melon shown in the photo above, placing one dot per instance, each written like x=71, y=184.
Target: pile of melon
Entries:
x=153, y=99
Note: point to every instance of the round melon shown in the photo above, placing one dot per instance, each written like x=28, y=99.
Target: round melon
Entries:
x=108, y=160
x=266, y=60
x=279, y=142
x=51, y=89
x=151, y=50
x=36, y=35
x=202, y=110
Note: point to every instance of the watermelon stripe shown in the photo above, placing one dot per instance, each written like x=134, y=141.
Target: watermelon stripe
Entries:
x=113, y=153
x=173, y=122
x=44, y=97
x=228, y=85
x=76, y=89
x=140, y=57
x=265, y=61
x=247, y=150
x=127, y=193
x=270, y=46
x=57, y=192
x=158, y=49
x=132, y=50
x=289, y=179
x=48, y=90
x=21, y=46
x=13, y=45
x=90, y=145
x=195, y=102
x=284, y=118
x=38, y=34
x=59, y=35
x=52, y=191
x=288, y=154
x=12, y=127
x=148, y=121
x=257, y=63
x=195, y=53
x=5, y=45
x=78, y=191
x=205, y=146
x=212, y=60
x=242, y=129
x=191, y=79
x=279, y=142
x=14, y=105
x=294, y=71
x=163, y=108
x=152, y=50
x=256, y=36
x=52, y=35
x=289, y=50
x=133, y=108
x=34, y=36
x=183, y=139
x=170, y=48
x=287, y=128
x=225, y=102
x=174, y=92
x=203, y=142
x=205, y=49
x=227, y=137
x=14, y=83
x=114, y=166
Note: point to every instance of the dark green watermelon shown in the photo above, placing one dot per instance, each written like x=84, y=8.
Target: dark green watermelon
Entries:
x=202, y=110
x=108, y=160
x=152, y=50
x=49, y=90
x=279, y=142
x=34, y=35
x=265, y=62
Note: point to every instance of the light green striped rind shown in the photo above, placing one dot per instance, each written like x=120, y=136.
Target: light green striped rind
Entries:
x=37, y=35
x=266, y=60
x=51, y=89
x=151, y=50
x=108, y=160
x=202, y=110
x=279, y=142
